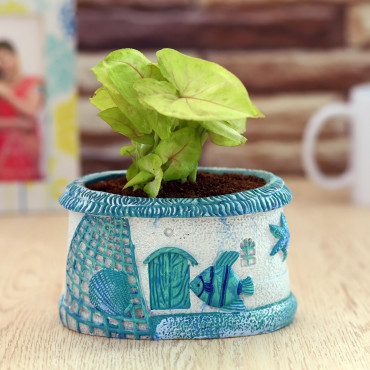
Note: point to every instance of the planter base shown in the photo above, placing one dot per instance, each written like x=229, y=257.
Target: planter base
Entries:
x=186, y=326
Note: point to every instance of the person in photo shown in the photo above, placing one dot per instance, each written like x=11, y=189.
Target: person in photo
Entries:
x=21, y=101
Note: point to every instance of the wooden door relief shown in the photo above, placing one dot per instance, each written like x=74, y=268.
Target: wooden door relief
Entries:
x=169, y=277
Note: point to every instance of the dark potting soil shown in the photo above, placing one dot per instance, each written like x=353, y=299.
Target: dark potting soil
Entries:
x=207, y=185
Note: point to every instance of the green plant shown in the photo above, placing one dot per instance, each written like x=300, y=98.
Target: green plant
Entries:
x=168, y=110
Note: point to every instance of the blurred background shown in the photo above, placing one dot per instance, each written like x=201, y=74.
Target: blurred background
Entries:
x=293, y=56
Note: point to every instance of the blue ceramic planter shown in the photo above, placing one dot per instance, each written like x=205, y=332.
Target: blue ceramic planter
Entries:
x=140, y=268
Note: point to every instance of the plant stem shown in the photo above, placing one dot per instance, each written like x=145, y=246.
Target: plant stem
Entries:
x=137, y=145
x=193, y=175
x=204, y=137
x=156, y=141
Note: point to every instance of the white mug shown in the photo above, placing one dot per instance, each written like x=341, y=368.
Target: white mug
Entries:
x=358, y=174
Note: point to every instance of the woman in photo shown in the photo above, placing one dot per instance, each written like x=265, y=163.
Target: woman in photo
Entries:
x=20, y=105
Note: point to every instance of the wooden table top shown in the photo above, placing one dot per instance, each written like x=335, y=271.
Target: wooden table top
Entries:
x=329, y=269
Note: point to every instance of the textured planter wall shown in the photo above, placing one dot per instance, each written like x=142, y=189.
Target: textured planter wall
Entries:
x=177, y=268
x=293, y=56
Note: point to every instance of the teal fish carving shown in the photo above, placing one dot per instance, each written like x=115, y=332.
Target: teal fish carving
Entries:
x=109, y=292
x=219, y=287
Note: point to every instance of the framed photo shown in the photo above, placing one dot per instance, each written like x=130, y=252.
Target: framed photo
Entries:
x=39, y=152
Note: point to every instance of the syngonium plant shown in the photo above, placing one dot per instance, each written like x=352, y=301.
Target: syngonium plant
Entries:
x=168, y=110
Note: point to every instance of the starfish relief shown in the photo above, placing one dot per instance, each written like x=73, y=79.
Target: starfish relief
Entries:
x=282, y=233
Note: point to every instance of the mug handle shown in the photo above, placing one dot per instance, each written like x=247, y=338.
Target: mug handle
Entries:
x=316, y=122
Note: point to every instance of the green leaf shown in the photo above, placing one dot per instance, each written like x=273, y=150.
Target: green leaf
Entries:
x=102, y=99
x=141, y=178
x=222, y=128
x=184, y=123
x=152, y=188
x=118, y=121
x=132, y=171
x=127, y=150
x=223, y=141
x=153, y=92
x=201, y=90
x=140, y=117
x=150, y=163
x=182, y=150
x=144, y=139
x=144, y=149
x=121, y=124
x=154, y=72
x=137, y=64
x=239, y=125
x=103, y=77
x=162, y=126
x=168, y=109
x=124, y=67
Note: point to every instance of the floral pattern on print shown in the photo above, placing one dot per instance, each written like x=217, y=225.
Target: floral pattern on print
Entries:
x=13, y=7
x=42, y=5
x=61, y=63
x=66, y=131
x=67, y=19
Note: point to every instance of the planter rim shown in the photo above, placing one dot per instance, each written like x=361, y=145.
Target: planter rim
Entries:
x=274, y=194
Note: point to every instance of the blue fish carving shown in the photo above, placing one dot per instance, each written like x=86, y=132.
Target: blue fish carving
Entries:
x=219, y=287
x=109, y=292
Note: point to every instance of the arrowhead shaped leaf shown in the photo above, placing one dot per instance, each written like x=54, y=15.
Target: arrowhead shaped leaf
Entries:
x=140, y=178
x=153, y=71
x=127, y=150
x=188, y=123
x=239, y=125
x=224, y=130
x=182, y=151
x=126, y=66
x=157, y=94
x=144, y=139
x=202, y=90
x=222, y=141
x=118, y=121
x=144, y=149
x=121, y=124
x=103, y=77
x=152, y=188
x=132, y=171
x=168, y=110
x=150, y=163
x=140, y=116
x=102, y=99
x=162, y=126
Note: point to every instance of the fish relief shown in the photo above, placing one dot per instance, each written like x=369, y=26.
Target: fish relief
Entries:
x=219, y=287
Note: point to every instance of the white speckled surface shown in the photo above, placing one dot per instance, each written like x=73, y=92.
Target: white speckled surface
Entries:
x=73, y=221
x=204, y=239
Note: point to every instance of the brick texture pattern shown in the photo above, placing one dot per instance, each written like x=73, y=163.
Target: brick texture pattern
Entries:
x=294, y=57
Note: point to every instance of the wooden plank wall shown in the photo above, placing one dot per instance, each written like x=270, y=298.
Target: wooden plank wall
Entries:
x=293, y=56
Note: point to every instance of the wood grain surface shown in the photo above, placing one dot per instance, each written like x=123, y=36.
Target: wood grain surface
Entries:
x=329, y=269
x=278, y=71
x=284, y=26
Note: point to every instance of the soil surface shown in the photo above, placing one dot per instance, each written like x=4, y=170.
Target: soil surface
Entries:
x=207, y=185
